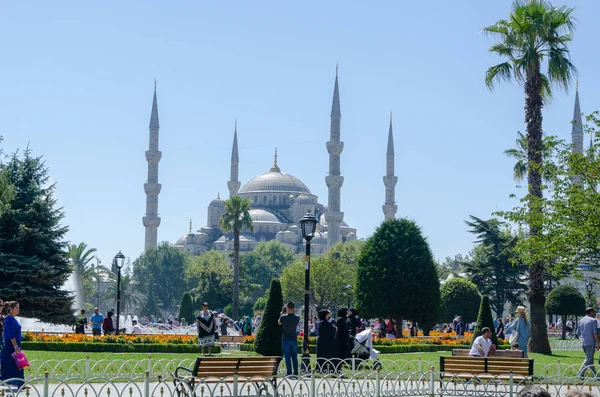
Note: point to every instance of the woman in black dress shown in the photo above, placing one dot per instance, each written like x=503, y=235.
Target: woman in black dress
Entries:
x=500, y=329
x=342, y=335
x=207, y=325
x=326, y=346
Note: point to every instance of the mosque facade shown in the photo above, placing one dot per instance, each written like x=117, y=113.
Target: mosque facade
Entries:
x=278, y=199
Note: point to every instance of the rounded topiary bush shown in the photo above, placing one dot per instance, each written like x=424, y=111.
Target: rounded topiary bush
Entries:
x=565, y=300
x=268, y=336
x=459, y=297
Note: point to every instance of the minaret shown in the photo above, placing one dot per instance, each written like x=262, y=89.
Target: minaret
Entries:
x=334, y=180
x=390, y=179
x=234, y=184
x=577, y=125
x=152, y=187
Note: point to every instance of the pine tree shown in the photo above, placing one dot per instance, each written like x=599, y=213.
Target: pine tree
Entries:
x=268, y=336
x=152, y=305
x=485, y=319
x=186, y=309
x=34, y=264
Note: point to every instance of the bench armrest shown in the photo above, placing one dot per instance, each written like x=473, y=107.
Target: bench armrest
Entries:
x=183, y=369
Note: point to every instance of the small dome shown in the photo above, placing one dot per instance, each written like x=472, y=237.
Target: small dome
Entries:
x=181, y=241
x=217, y=203
x=262, y=216
x=303, y=199
x=320, y=238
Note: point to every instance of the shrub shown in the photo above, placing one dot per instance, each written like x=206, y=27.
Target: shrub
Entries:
x=268, y=336
x=565, y=300
x=186, y=309
x=459, y=297
x=485, y=319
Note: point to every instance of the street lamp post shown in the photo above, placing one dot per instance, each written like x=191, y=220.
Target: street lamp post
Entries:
x=309, y=225
x=348, y=288
x=98, y=262
x=589, y=287
x=118, y=263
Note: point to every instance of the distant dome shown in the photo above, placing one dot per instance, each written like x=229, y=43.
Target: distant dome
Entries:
x=275, y=181
x=262, y=216
x=182, y=240
x=303, y=199
x=217, y=202
x=320, y=238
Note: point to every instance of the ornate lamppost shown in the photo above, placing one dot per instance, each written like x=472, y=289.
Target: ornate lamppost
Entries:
x=347, y=289
x=118, y=262
x=309, y=226
x=589, y=286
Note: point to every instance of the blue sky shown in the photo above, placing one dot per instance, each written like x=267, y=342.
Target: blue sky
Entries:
x=77, y=80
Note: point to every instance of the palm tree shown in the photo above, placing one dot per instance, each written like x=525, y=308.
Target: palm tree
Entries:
x=520, y=154
x=535, y=34
x=80, y=257
x=129, y=298
x=235, y=218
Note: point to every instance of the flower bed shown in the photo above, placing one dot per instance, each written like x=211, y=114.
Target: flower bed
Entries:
x=113, y=343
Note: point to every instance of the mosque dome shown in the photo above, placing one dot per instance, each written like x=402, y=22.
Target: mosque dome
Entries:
x=217, y=202
x=275, y=181
x=262, y=216
x=182, y=240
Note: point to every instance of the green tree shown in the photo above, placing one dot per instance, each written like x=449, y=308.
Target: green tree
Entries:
x=186, y=308
x=565, y=300
x=235, y=218
x=130, y=299
x=266, y=262
x=493, y=266
x=81, y=257
x=397, y=276
x=330, y=274
x=268, y=335
x=7, y=189
x=210, y=278
x=162, y=268
x=459, y=297
x=33, y=263
x=151, y=305
x=485, y=319
x=536, y=34
x=519, y=153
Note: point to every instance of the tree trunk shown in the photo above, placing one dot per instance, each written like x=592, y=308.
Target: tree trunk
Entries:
x=399, y=327
x=564, y=328
x=236, y=275
x=538, y=337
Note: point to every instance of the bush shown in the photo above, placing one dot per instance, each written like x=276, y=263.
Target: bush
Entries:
x=485, y=319
x=268, y=336
x=459, y=297
x=565, y=300
x=186, y=309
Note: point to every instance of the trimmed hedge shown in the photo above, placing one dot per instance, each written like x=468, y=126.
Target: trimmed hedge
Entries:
x=115, y=347
x=416, y=348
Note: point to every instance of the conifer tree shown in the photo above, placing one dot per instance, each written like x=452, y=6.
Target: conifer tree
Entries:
x=34, y=264
x=268, y=336
x=186, y=309
x=485, y=319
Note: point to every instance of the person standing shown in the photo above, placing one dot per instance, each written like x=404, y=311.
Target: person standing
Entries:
x=521, y=326
x=207, y=326
x=326, y=346
x=289, y=342
x=460, y=328
x=224, y=322
x=589, y=341
x=97, y=319
x=81, y=323
x=12, y=344
x=247, y=327
x=108, y=324
x=342, y=335
x=499, y=328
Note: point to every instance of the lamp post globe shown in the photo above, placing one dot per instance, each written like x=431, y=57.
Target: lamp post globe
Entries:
x=308, y=225
x=119, y=261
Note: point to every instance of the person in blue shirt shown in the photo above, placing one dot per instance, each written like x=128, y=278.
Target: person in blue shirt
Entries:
x=97, y=319
x=521, y=326
x=12, y=344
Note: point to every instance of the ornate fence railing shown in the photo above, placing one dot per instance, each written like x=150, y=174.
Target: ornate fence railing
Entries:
x=361, y=384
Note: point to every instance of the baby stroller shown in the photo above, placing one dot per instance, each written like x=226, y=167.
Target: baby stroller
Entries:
x=362, y=349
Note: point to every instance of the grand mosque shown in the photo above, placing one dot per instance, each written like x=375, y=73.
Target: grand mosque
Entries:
x=279, y=200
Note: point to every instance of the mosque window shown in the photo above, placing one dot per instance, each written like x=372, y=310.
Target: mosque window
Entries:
x=275, y=200
x=265, y=200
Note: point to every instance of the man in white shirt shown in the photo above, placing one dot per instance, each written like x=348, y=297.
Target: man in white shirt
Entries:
x=136, y=329
x=483, y=344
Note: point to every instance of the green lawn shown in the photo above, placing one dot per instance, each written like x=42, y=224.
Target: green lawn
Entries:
x=52, y=355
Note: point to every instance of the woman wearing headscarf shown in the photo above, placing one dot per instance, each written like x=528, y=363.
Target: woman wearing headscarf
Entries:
x=326, y=346
x=342, y=334
x=247, y=327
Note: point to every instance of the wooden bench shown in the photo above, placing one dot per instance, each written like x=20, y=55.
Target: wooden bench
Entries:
x=497, y=353
x=231, y=339
x=223, y=369
x=486, y=368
